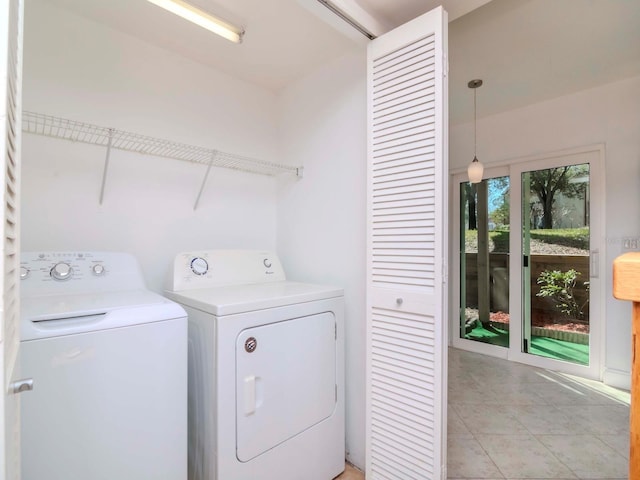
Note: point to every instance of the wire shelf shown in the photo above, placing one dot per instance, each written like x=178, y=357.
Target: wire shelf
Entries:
x=75, y=131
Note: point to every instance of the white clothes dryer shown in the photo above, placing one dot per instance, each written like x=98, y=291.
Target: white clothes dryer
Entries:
x=108, y=359
x=266, y=369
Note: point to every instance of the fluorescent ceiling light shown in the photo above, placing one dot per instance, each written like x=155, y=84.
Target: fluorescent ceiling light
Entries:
x=203, y=19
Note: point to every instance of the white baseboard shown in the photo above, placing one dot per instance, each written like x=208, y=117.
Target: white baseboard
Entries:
x=617, y=378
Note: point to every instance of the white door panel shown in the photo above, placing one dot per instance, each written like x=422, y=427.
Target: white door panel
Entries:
x=406, y=297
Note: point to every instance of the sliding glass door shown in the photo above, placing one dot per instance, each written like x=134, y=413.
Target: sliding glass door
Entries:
x=528, y=262
x=484, y=261
x=556, y=259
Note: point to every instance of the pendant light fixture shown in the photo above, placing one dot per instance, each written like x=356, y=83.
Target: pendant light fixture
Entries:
x=475, y=169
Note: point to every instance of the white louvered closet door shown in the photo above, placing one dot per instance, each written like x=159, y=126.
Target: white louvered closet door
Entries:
x=407, y=238
x=11, y=21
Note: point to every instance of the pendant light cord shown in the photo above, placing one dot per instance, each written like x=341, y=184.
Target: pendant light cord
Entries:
x=475, y=126
x=475, y=168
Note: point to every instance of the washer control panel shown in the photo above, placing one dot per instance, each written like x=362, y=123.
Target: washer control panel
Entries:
x=68, y=272
x=210, y=268
x=61, y=267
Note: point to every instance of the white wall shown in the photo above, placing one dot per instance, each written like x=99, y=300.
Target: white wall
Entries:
x=77, y=69
x=609, y=114
x=321, y=218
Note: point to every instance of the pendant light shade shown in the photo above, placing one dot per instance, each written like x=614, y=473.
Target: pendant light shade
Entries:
x=475, y=169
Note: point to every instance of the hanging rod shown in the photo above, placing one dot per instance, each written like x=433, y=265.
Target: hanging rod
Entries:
x=111, y=138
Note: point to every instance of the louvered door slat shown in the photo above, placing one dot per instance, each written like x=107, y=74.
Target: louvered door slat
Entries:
x=404, y=131
x=403, y=92
x=411, y=156
x=405, y=168
x=409, y=68
x=405, y=82
x=409, y=263
x=412, y=186
x=406, y=100
x=380, y=224
x=390, y=60
x=388, y=368
x=401, y=184
x=390, y=57
x=406, y=88
x=422, y=104
x=389, y=363
x=416, y=450
x=419, y=198
x=399, y=422
x=401, y=137
x=413, y=337
x=383, y=126
x=394, y=450
x=400, y=224
x=402, y=159
x=399, y=430
x=418, y=110
x=405, y=253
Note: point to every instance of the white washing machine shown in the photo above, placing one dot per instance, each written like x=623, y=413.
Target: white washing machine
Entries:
x=108, y=360
x=266, y=369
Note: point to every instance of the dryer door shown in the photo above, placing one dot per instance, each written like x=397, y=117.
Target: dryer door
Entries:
x=285, y=381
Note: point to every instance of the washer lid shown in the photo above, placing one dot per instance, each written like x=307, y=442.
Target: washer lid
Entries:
x=233, y=299
x=45, y=316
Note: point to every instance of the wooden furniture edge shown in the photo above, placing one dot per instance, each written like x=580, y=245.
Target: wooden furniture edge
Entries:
x=626, y=286
x=626, y=277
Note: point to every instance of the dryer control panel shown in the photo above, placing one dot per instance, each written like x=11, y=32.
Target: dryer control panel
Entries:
x=210, y=268
x=76, y=272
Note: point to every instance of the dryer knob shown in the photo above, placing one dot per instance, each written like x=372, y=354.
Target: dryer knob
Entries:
x=24, y=273
x=199, y=266
x=61, y=271
x=98, y=269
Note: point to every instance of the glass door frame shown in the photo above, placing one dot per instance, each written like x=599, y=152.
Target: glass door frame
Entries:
x=594, y=155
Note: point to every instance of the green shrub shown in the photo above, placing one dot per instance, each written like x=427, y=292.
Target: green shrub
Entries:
x=559, y=286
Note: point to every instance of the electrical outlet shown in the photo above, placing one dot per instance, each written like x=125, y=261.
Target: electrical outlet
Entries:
x=631, y=243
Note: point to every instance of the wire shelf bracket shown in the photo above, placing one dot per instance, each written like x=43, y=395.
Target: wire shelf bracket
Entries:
x=111, y=138
x=106, y=168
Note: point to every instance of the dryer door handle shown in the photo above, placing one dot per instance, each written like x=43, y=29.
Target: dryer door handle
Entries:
x=19, y=386
x=249, y=395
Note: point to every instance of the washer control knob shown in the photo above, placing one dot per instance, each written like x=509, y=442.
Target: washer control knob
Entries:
x=266, y=262
x=61, y=271
x=199, y=266
x=98, y=269
x=24, y=273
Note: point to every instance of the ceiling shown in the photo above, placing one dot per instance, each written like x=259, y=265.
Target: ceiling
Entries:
x=526, y=51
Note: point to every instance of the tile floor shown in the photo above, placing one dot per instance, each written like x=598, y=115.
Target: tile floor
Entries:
x=512, y=421
x=351, y=473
